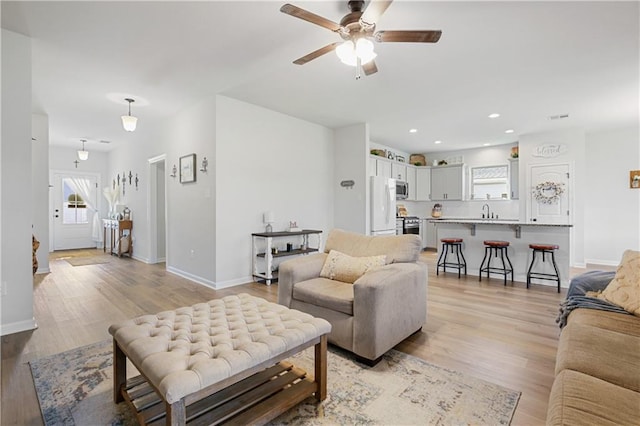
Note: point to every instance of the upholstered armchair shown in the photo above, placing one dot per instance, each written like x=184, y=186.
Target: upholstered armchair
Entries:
x=379, y=309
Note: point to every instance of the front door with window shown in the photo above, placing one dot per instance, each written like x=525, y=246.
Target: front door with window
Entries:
x=72, y=217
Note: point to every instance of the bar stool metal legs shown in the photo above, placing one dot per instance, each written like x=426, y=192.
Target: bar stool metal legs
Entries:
x=491, y=249
x=455, y=244
x=543, y=248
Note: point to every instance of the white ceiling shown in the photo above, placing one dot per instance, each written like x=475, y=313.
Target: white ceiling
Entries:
x=524, y=60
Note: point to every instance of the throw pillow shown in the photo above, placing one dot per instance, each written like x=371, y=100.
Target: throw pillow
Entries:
x=342, y=267
x=624, y=289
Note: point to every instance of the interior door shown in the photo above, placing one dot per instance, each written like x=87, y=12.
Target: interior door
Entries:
x=72, y=217
x=549, y=194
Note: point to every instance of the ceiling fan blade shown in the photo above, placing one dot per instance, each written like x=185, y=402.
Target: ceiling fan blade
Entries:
x=317, y=53
x=370, y=68
x=297, y=12
x=410, y=36
x=374, y=11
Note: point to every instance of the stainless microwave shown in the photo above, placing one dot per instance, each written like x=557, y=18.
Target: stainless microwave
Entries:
x=402, y=190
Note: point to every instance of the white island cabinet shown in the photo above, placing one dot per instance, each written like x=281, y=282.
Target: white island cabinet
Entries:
x=519, y=234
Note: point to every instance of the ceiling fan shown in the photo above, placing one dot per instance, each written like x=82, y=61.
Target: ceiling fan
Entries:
x=357, y=29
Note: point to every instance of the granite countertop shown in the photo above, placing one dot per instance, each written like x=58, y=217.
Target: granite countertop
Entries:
x=482, y=221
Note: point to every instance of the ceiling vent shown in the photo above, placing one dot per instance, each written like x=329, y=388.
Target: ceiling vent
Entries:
x=558, y=117
x=103, y=141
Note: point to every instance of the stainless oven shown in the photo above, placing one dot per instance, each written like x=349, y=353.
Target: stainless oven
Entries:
x=412, y=225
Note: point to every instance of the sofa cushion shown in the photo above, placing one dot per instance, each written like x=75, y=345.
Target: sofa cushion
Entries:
x=624, y=289
x=330, y=294
x=579, y=399
x=605, y=354
x=345, y=268
x=397, y=248
x=622, y=323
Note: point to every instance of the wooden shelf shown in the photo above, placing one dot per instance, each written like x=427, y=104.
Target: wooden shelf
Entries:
x=290, y=253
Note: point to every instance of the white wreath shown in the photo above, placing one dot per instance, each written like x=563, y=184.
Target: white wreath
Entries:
x=548, y=192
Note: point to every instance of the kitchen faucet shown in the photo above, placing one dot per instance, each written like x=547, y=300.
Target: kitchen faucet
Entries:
x=488, y=210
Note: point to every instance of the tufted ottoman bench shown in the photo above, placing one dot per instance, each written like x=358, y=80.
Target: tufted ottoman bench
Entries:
x=218, y=361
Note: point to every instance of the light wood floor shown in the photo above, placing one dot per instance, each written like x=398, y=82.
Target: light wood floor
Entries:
x=506, y=335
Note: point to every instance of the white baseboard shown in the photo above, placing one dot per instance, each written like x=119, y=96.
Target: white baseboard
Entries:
x=17, y=327
x=195, y=278
x=234, y=282
x=43, y=271
x=603, y=262
x=141, y=259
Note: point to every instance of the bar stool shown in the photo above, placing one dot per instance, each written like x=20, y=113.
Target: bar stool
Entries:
x=491, y=249
x=455, y=244
x=544, y=248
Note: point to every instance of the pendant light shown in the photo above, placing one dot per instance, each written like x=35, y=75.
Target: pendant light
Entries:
x=129, y=121
x=83, y=155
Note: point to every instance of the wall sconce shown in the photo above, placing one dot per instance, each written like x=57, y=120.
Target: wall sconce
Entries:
x=205, y=164
x=174, y=171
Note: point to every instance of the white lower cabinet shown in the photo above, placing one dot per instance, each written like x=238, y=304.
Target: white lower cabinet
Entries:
x=429, y=235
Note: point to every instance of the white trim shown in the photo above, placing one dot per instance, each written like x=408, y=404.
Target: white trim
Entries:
x=152, y=223
x=43, y=271
x=17, y=327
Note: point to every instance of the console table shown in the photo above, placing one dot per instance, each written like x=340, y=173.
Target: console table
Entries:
x=264, y=248
x=117, y=230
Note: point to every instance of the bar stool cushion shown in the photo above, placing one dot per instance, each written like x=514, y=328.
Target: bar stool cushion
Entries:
x=451, y=240
x=547, y=247
x=496, y=243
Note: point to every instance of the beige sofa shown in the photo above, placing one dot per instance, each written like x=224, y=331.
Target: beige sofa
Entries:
x=380, y=309
x=597, y=369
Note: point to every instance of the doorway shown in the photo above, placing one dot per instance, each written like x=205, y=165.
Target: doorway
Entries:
x=157, y=210
x=74, y=210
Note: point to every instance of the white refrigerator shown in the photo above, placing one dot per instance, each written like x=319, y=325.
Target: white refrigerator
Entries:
x=383, y=206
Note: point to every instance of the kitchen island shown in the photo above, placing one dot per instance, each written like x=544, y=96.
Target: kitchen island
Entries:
x=519, y=234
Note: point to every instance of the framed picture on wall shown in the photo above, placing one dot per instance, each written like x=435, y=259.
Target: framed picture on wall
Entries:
x=188, y=168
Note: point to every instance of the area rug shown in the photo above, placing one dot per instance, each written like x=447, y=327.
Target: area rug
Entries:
x=74, y=388
x=88, y=260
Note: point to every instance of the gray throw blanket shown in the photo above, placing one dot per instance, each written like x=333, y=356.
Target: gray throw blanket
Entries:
x=579, y=286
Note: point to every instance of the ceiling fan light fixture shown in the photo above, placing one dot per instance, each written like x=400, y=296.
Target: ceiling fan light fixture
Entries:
x=129, y=122
x=364, y=50
x=347, y=53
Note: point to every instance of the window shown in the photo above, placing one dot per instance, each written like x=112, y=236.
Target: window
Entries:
x=74, y=208
x=490, y=183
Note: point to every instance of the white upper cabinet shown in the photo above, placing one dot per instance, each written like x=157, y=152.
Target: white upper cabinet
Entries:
x=379, y=167
x=423, y=184
x=514, y=178
x=399, y=171
x=411, y=180
x=447, y=182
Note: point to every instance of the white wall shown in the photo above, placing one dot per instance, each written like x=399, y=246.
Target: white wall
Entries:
x=191, y=207
x=612, y=209
x=574, y=140
x=266, y=161
x=351, y=157
x=40, y=193
x=16, y=186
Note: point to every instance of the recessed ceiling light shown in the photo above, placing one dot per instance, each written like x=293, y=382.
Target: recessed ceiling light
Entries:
x=509, y=131
x=438, y=142
x=486, y=144
x=413, y=130
x=494, y=115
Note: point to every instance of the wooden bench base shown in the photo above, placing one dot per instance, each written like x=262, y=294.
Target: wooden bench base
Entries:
x=255, y=399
